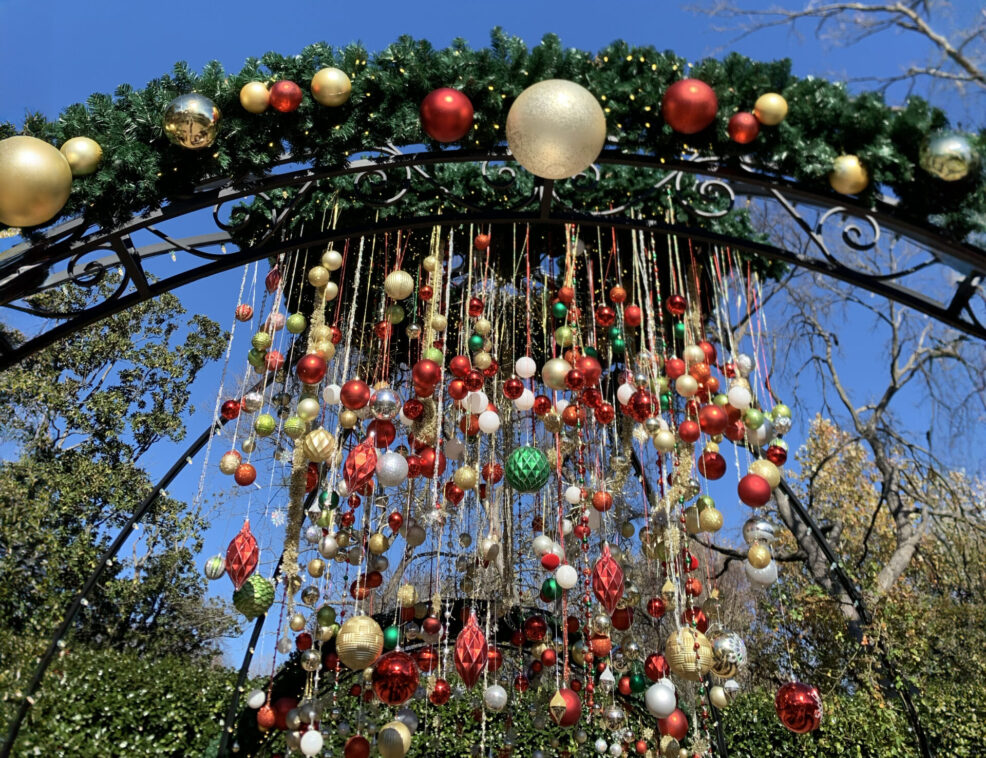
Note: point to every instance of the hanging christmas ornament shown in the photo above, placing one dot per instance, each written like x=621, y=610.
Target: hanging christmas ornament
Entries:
x=254, y=97
x=359, y=642
x=949, y=156
x=83, y=155
x=35, y=181
x=395, y=677
x=285, y=96
x=255, y=597
x=848, y=176
x=356, y=747
x=242, y=556
x=689, y=654
x=470, y=652
x=754, y=490
x=215, y=567
x=607, y=580
x=446, y=115
x=675, y=725
x=743, y=128
x=398, y=285
x=192, y=121
x=770, y=109
x=689, y=106
x=394, y=740
x=799, y=707
x=331, y=87
x=728, y=655
x=527, y=469
x=565, y=707
x=555, y=129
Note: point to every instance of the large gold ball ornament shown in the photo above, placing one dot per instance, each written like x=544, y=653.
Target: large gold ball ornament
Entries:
x=759, y=555
x=83, y=155
x=192, y=121
x=378, y=543
x=331, y=87
x=553, y=373
x=254, y=97
x=348, y=419
x=316, y=567
x=684, y=659
x=766, y=469
x=407, y=595
x=770, y=109
x=556, y=129
x=849, y=176
x=398, y=285
x=35, y=181
x=394, y=740
x=482, y=360
x=949, y=156
x=359, y=642
x=718, y=697
x=466, y=477
x=710, y=519
x=319, y=445
x=318, y=276
x=229, y=463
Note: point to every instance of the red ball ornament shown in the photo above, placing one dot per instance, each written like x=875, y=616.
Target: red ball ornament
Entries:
x=542, y=405
x=605, y=316
x=605, y=413
x=753, y=490
x=641, y=747
x=712, y=419
x=710, y=351
x=446, y=115
x=492, y=472
x=622, y=619
x=457, y=389
x=734, y=431
x=474, y=380
x=303, y=641
x=426, y=372
x=550, y=561
x=689, y=106
x=565, y=707
x=357, y=747
x=311, y=477
x=244, y=312
x=413, y=408
x=549, y=658
x=274, y=360
x=799, y=707
x=383, y=430
x=285, y=96
x=623, y=686
x=535, y=628
x=266, y=718
x=711, y=465
x=743, y=128
x=230, y=409
x=602, y=501
x=521, y=683
x=441, y=693
x=675, y=725
x=395, y=677
x=475, y=307
x=425, y=292
x=676, y=305
x=311, y=369
x=693, y=586
x=430, y=625
x=642, y=406
x=513, y=388
x=632, y=316
x=574, y=379
x=245, y=474
x=460, y=366
x=566, y=294
x=494, y=659
x=481, y=242
x=674, y=368
x=454, y=493
x=656, y=607
x=656, y=667
x=689, y=431
x=426, y=658
x=431, y=465
x=281, y=707
x=590, y=369
x=355, y=394
x=617, y=294
x=776, y=455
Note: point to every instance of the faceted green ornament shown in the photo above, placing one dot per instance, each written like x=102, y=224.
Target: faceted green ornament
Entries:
x=527, y=469
x=550, y=590
x=391, y=636
x=254, y=597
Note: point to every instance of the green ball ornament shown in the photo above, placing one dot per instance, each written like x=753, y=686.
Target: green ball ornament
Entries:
x=436, y=355
x=753, y=419
x=391, y=637
x=215, y=567
x=619, y=346
x=559, y=310
x=264, y=425
x=638, y=682
x=564, y=336
x=591, y=351
x=256, y=358
x=550, y=590
x=722, y=400
x=615, y=332
x=324, y=519
x=679, y=330
x=326, y=615
x=527, y=469
x=261, y=341
x=665, y=400
x=255, y=597
x=476, y=343
x=294, y=427
x=704, y=501
x=395, y=314
x=296, y=323
x=780, y=411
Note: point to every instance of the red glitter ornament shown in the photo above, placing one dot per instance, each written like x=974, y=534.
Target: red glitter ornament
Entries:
x=243, y=312
x=565, y=707
x=632, y=316
x=266, y=718
x=542, y=405
x=454, y=493
x=799, y=707
x=602, y=501
x=656, y=607
x=481, y=242
x=617, y=294
x=230, y=409
x=521, y=683
x=675, y=725
x=513, y=388
x=441, y=693
x=395, y=677
x=470, y=652
x=446, y=115
x=535, y=628
x=285, y=96
x=689, y=106
x=355, y=394
x=642, y=406
x=425, y=292
x=590, y=369
x=311, y=369
x=605, y=316
x=743, y=128
x=245, y=474
x=474, y=380
x=361, y=464
x=413, y=408
x=274, y=360
x=605, y=413
x=492, y=472
x=607, y=580
x=753, y=490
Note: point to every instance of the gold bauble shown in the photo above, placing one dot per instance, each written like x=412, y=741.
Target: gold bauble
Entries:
x=320, y=333
x=553, y=373
x=398, y=284
x=407, y=595
x=331, y=292
x=684, y=659
x=348, y=419
x=429, y=263
x=692, y=520
x=669, y=746
x=192, y=121
x=35, y=181
x=332, y=259
x=556, y=129
x=766, y=469
x=848, y=177
x=482, y=360
x=316, y=567
x=326, y=633
x=482, y=327
x=718, y=697
x=378, y=544
x=465, y=477
x=394, y=740
x=318, y=276
x=359, y=642
x=318, y=445
x=83, y=155
x=254, y=97
x=759, y=555
x=229, y=463
x=296, y=622
x=439, y=323
x=710, y=519
x=770, y=109
x=331, y=87
x=552, y=422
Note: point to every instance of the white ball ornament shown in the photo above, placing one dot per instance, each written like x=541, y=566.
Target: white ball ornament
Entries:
x=601, y=746
x=454, y=449
x=616, y=750
x=541, y=545
x=489, y=422
x=664, y=441
x=561, y=405
x=566, y=526
x=311, y=742
x=763, y=577
x=553, y=373
x=477, y=402
x=525, y=367
x=693, y=354
x=256, y=698
x=405, y=421
x=739, y=397
x=308, y=408
x=525, y=402
x=573, y=494
x=625, y=392
x=660, y=700
x=744, y=364
x=566, y=576
x=332, y=394
x=495, y=698
x=391, y=469
x=331, y=291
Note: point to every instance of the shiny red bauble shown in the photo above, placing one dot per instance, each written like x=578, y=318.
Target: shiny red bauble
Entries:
x=573, y=707
x=693, y=586
x=355, y=394
x=413, y=408
x=425, y=292
x=753, y=490
x=549, y=658
x=689, y=431
x=357, y=747
x=454, y=493
x=696, y=615
x=674, y=367
x=535, y=628
x=743, y=128
x=710, y=351
x=623, y=686
x=617, y=294
x=474, y=380
x=430, y=464
x=303, y=641
x=446, y=115
x=711, y=465
x=573, y=415
x=676, y=305
x=285, y=96
x=274, y=360
x=460, y=365
x=574, y=379
x=566, y=294
x=383, y=430
x=311, y=369
x=641, y=747
x=605, y=413
x=395, y=677
x=542, y=404
x=513, y=388
x=481, y=242
x=492, y=472
x=605, y=316
x=656, y=667
x=689, y=106
x=602, y=501
x=675, y=725
x=799, y=707
x=776, y=455
x=469, y=424
x=245, y=474
x=622, y=619
x=712, y=419
x=426, y=372
x=632, y=316
x=475, y=308
x=230, y=409
x=494, y=659
x=642, y=406
x=521, y=683
x=734, y=431
x=457, y=389
x=590, y=368
x=426, y=658
x=266, y=718
x=656, y=607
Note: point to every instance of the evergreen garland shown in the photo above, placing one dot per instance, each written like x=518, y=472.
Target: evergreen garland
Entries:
x=142, y=170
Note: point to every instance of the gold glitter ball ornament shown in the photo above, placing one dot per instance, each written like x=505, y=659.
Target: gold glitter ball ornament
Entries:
x=192, y=121
x=684, y=659
x=331, y=87
x=35, y=181
x=759, y=555
x=556, y=129
x=83, y=155
x=359, y=642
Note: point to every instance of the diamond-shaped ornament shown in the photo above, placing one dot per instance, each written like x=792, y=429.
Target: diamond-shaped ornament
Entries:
x=361, y=463
x=527, y=469
x=242, y=556
x=319, y=445
x=607, y=580
x=470, y=651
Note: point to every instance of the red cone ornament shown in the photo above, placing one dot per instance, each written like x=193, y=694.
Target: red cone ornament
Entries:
x=361, y=464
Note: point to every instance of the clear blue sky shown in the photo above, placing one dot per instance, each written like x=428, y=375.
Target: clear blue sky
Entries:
x=57, y=53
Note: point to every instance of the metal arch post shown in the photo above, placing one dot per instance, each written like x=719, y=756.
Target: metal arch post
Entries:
x=104, y=560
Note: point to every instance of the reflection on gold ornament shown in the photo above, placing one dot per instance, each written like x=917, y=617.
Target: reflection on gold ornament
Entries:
x=770, y=109
x=35, y=181
x=849, y=176
x=759, y=555
x=394, y=740
x=83, y=155
x=331, y=87
x=254, y=97
x=949, y=156
x=192, y=121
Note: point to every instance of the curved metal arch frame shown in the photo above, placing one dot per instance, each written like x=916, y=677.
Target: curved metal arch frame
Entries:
x=58, y=257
